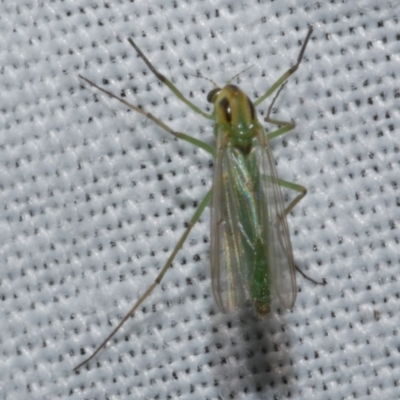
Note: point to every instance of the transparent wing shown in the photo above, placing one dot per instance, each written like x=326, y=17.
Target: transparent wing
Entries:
x=226, y=255
x=282, y=267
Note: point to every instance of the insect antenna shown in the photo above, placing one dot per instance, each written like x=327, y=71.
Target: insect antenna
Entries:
x=198, y=75
x=240, y=73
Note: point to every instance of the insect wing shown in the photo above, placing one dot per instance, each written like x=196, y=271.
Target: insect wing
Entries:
x=226, y=252
x=282, y=267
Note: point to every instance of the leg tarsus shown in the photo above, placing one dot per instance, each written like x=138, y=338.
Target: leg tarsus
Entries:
x=323, y=283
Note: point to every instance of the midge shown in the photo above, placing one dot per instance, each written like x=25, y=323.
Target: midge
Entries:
x=251, y=254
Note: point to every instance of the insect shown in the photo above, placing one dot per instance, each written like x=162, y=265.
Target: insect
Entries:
x=251, y=253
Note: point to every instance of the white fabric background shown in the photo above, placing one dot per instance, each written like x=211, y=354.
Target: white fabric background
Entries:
x=93, y=199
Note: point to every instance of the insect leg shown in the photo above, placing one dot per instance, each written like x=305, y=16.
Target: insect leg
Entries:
x=178, y=135
x=303, y=191
x=167, y=82
x=293, y=186
x=287, y=74
x=160, y=276
x=285, y=127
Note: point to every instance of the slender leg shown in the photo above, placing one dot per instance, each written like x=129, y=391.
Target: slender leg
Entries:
x=303, y=191
x=178, y=135
x=167, y=82
x=287, y=74
x=199, y=210
x=285, y=126
x=322, y=283
x=160, y=276
x=297, y=188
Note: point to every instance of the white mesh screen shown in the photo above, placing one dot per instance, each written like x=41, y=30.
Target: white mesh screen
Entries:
x=94, y=198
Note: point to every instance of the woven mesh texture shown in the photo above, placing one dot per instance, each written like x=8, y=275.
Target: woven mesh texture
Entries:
x=94, y=197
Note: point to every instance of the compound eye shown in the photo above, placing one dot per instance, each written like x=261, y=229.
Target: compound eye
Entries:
x=212, y=94
x=225, y=105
